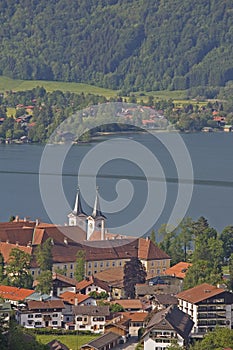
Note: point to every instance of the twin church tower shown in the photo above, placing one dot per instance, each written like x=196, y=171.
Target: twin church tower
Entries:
x=88, y=223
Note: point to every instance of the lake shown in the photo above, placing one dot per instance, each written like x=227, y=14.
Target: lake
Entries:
x=212, y=161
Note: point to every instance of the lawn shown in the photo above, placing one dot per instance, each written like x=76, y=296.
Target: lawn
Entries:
x=73, y=342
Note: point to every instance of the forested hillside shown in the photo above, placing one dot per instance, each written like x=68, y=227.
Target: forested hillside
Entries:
x=122, y=44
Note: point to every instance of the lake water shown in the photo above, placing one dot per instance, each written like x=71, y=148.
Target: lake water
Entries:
x=212, y=160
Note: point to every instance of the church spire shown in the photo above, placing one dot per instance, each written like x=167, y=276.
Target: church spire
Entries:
x=78, y=206
x=96, y=210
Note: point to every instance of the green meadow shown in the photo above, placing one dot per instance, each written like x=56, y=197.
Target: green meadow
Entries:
x=73, y=342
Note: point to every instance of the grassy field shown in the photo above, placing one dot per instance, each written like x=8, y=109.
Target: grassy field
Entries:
x=7, y=84
x=73, y=342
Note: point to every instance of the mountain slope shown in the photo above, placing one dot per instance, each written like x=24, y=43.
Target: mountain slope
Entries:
x=130, y=44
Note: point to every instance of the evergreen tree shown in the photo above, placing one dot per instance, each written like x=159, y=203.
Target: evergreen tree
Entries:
x=45, y=282
x=134, y=272
x=80, y=266
x=44, y=255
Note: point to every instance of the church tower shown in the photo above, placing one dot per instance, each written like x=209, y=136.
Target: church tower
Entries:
x=96, y=221
x=77, y=217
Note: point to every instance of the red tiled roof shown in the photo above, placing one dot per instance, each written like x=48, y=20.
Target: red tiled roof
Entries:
x=179, y=270
x=136, y=316
x=85, y=283
x=49, y=304
x=147, y=250
x=6, y=248
x=128, y=303
x=196, y=294
x=70, y=297
x=14, y=293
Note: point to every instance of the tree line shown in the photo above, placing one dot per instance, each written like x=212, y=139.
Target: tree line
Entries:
x=130, y=45
x=195, y=241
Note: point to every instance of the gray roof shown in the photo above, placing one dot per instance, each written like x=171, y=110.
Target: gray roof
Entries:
x=56, y=345
x=171, y=318
x=103, y=340
x=166, y=299
x=91, y=310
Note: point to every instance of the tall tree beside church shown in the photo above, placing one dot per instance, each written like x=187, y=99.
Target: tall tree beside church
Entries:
x=44, y=255
x=1, y=267
x=134, y=272
x=80, y=266
x=45, y=262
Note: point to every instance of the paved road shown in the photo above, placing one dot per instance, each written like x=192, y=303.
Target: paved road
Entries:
x=130, y=345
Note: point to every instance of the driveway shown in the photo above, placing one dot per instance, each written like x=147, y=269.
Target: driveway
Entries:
x=130, y=345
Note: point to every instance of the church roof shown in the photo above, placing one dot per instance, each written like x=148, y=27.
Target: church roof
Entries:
x=96, y=210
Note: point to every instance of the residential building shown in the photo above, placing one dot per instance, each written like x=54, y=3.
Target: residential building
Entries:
x=166, y=326
x=14, y=295
x=132, y=305
x=90, y=318
x=77, y=298
x=208, y=306
x=38, y=314
x=5, y=313
x=56, y=345
x=179, y=270
x=92, y=284
x=137, y=320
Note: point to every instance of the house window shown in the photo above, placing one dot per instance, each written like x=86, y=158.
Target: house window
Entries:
x=38, y=315
x=54, y=323
x=65, y=267
x=89, y=273
x=89, y=289
x=95, y=264
x=113, y=263
x=71, y=266
x=71, y=275
x=101, y=264
x=89, y=265
x=158, y=271
x=120, y=263
x=152, y=263
x=107, y=264
x=79, y=319
x=55, y=315
x=30, y=316
x=164, y=262
x=33, y=272
x=38, y=323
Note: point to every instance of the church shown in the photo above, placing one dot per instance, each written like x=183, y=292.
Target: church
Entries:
x=89, y=223
x=103, y=250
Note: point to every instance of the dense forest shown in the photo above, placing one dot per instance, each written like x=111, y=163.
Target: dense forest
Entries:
x=121, y=44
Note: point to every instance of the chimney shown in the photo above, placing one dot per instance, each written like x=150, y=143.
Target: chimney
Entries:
x=37, y=222
x=17, y=243
x=29, y=244
x=7, y=241
x=65, y=240
x=17, y=218
x=76, y=301
x=25, y=219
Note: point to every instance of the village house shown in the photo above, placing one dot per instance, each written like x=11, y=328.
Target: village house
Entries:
x=90, y=318
x=77, y=298
x=5, y=313
x=208, y=306
x=38, y=314
x=14, y=295
x=92, y=284
x=132, y=305
x=165, y=326
x=137, y=320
